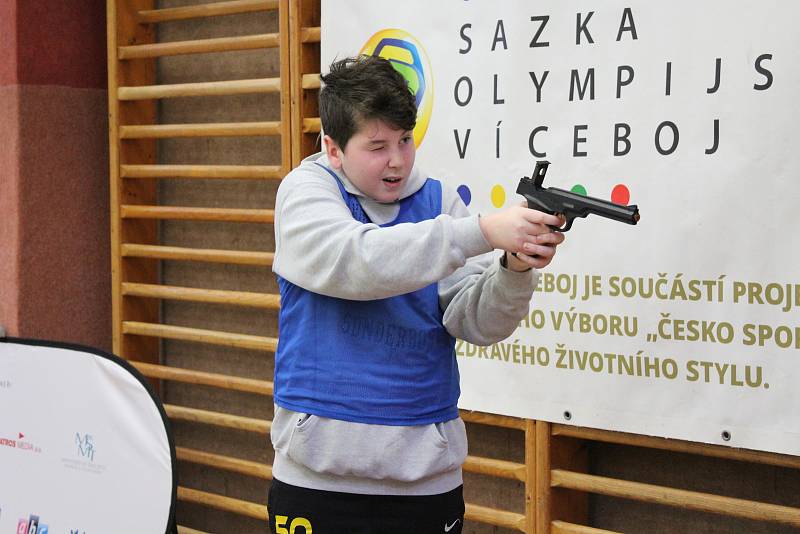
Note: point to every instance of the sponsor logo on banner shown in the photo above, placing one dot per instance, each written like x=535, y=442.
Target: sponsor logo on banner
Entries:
x=85, y=446
x=408, y=57
x=83, y=459
x=32, y=525
x=19, y=443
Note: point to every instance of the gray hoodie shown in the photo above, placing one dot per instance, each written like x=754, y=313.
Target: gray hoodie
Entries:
x=320, y=247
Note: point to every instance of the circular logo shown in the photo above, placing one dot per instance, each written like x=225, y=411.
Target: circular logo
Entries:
x=408, y=57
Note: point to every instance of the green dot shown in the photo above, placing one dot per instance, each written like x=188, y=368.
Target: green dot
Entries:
x=578, y=189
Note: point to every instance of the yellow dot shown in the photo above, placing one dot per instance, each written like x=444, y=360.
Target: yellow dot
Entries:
x=498, y=196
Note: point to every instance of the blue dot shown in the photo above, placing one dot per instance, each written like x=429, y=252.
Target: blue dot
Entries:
x=465, y=194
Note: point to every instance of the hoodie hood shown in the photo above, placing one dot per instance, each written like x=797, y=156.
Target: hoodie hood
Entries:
x=415, y=180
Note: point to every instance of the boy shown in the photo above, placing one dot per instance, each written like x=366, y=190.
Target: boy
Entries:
x=380, y=268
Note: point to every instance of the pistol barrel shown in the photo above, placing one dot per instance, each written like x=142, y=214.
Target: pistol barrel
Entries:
x=584, y=205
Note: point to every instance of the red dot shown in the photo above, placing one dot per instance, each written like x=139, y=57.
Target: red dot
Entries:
x=620, y=195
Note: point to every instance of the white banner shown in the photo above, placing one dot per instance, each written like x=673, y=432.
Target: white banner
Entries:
x=83, y=444
x=687, y=325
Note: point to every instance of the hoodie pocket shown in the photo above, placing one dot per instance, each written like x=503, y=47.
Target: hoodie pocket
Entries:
x=399, y=453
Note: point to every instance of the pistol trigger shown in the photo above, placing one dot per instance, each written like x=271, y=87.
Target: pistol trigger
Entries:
x=567, y=225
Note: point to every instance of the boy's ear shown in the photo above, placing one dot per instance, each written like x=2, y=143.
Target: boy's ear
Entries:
x=333, y=151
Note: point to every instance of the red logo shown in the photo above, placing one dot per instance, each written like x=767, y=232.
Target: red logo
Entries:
x=20, y=444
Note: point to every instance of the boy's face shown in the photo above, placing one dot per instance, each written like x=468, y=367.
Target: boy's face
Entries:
x=378, y=159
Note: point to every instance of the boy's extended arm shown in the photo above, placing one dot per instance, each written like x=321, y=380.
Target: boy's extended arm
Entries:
x=484, y=302
x=320, y=247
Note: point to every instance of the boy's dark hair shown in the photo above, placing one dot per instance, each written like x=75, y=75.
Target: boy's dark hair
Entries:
x=364, y=88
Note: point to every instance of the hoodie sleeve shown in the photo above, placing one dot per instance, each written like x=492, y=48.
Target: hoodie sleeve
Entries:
x=483, y=302
x=320, y=247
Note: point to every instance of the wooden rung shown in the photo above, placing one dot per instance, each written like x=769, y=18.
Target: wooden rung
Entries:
x=225, y=420
x=311, y=81
x=675, y=445
x=211, y=296
x=206, y=10
x=495, y=468
x=219, y=129
x=218, y=461
x=689, y=500
x=310, y=35
x=197, y=335
x=238, y=172
x=313, y=125
x=197, y=214
x=159, y=252
x=562, y=527
x=500, y=518
x=227, y=504
x=199, y=46
x=493, y=420
x=187, y=530
x=190, y=376
x=228, y=87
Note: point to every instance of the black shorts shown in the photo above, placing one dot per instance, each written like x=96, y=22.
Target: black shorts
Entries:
x=295, y=510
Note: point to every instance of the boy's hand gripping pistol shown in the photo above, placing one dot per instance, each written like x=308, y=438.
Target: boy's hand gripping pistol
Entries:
x=558, y=201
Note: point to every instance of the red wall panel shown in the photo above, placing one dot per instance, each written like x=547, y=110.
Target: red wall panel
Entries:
x=61, y=43
x=8, y=42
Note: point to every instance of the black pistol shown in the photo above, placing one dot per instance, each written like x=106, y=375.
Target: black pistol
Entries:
x=571, y=205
